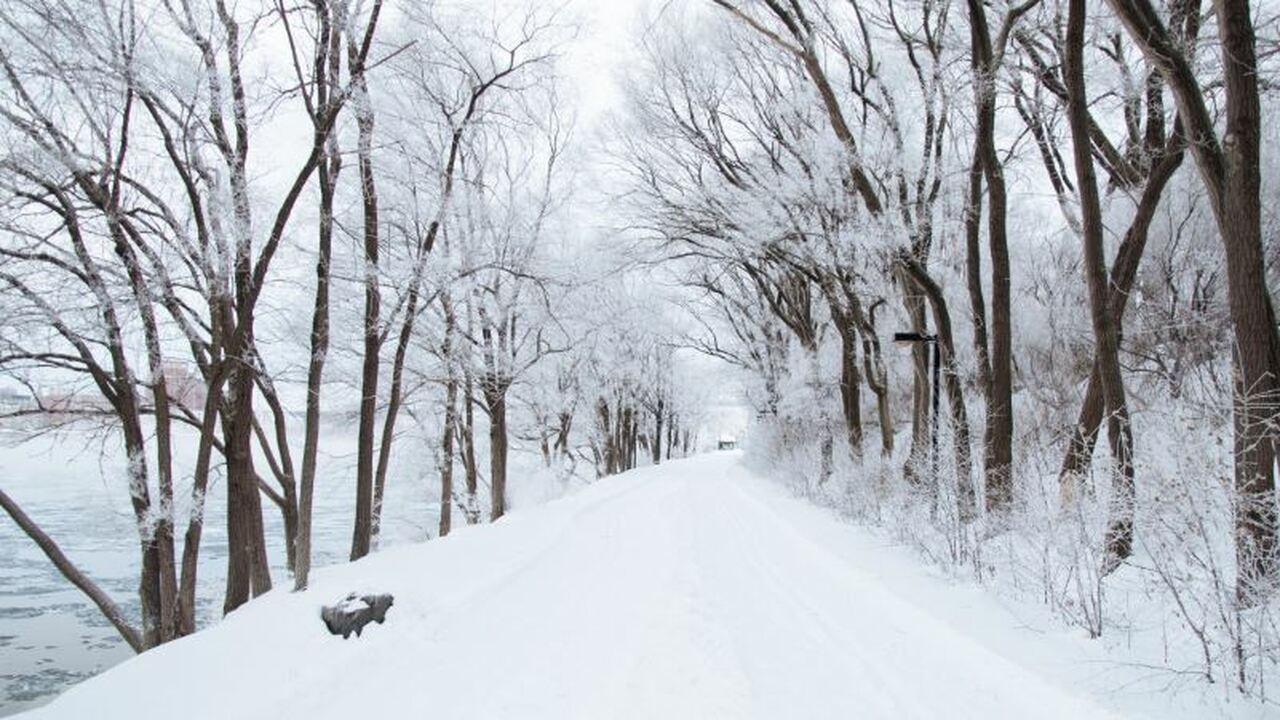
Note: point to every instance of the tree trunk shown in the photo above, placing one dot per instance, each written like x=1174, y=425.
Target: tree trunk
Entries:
x=247, y=574
x=199, y=485
x=394, y=401
x=327, y=65
x=562, y=436
x=469, y=450
x=973, y=272
x=362, y=534
x=450, y=421
x=602, y=413
x=1124, y=271
x=877, y=376
x=1119, y=540
x=999, y=428
x=1231, y=173
x=328, y=173
x=73, y=574
x=850, y=387
x=446, y=460
x=496, y=402
x=920, y=391
x=656, y=445
x=1239, y=214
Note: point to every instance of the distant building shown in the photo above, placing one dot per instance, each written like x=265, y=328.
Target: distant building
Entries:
x=727, y=442
x=184, y=385
x=12, y=401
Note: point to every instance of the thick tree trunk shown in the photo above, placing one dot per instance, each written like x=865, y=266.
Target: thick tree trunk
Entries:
x=247, y=573
x=1239, y=214
x=149, y=591
x=1230, y=169
x=1119, y=540
x=850, y=387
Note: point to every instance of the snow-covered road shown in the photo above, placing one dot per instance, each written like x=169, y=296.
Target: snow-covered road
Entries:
x=690, y=590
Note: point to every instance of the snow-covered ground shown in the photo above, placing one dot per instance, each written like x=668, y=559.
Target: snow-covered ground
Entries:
x=74, y=485
x=693, y=589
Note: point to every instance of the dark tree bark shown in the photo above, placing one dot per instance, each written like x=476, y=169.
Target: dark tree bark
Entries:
x=199, y=485
x=655, y=447
x=973, y=272
x=1119, y=540
x=1230, y=168
x=327, y=68
x=362, y=533
x=998, y=382
x=496, y=405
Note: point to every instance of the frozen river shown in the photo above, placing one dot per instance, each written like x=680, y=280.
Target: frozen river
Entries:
x=51, y=636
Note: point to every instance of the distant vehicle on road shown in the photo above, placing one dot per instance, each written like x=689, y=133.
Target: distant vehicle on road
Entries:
x=727, y=442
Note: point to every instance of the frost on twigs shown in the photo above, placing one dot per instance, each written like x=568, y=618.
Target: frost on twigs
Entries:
x=353, y=612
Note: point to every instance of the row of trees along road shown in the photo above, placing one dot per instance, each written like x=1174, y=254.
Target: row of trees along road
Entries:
x=819, y=169
x=363, y=198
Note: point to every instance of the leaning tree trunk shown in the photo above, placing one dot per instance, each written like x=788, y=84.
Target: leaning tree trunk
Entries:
x=1124, y=271
x=109, y=609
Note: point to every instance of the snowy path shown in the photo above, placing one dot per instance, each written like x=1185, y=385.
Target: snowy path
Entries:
x=673, y=592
